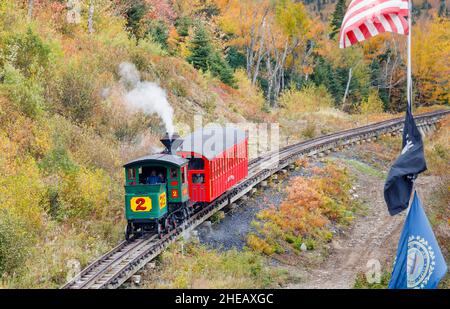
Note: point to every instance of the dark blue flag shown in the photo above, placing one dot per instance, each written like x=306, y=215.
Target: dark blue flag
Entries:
x=419, y=263
x=399, y=182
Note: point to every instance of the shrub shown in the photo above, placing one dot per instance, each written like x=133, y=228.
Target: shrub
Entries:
x=27, y=52
x=249, y=97
x=152, y=47
x=15, y=242
x=438, y=149
x=22, y=206
x=259, y=245
x=372, y=105
x=50, y=259
x=26, y=93
x=182, y=25
x=304, y=216
x=57, y=160
x=179, y=89
x=85, y=194
x=22, y=191
x=310, y=130
x=77, y=93
x=309, y=99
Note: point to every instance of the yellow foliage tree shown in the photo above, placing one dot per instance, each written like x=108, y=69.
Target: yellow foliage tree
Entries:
x=372, y=105
x=430, y=60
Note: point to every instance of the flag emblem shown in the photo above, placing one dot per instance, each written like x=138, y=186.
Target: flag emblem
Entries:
x=420, y=265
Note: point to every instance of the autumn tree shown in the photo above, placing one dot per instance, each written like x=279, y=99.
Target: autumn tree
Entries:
x=431, y=68
x=246, y=23
x=286, y=34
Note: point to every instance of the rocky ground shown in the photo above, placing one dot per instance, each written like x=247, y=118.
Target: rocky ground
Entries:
x=232, y=230
x=372, y=236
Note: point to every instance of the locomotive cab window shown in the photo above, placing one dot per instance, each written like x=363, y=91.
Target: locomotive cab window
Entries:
x=132, y=174
x=183, y=174
x=198, y=178
x=152, y=175
x=196, y=164
x=173, y=173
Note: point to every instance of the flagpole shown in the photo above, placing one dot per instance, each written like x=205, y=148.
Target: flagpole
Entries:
x=409, y=74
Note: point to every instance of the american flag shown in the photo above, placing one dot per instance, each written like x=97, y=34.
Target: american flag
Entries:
x=367, y=18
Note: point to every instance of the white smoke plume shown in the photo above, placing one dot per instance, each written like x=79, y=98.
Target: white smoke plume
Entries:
x=145, y=96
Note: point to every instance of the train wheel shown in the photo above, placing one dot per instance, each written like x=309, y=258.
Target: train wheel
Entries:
x=128, y=232
x=174, y=223
x=167, y=225
x=160, y=230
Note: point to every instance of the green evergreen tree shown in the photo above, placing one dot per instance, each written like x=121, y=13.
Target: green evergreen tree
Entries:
x=205, y=57
x=134, y=14
x=159, y=32
x=201, y=49
x=183, y=24
x=337, y=17
x=235, y=58
x=325, y=74
x=219, y=67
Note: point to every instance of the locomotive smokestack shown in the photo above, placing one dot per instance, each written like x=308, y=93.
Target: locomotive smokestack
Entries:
x=171, y=144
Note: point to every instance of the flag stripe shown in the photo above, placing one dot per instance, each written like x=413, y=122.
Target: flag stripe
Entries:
x=385, y=23
x=367, y=18
x=404, y=24
x=368, y=6
x=391, y=23
x=379, y=25
x=370, y=26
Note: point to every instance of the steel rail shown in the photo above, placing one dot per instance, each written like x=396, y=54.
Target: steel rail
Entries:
x=113, y=268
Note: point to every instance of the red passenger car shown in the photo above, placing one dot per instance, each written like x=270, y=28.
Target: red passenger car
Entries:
x=218, y=159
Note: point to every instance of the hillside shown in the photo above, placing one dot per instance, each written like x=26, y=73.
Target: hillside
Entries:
x=84, y=89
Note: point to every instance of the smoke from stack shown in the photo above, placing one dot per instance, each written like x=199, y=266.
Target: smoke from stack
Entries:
x=145, y=96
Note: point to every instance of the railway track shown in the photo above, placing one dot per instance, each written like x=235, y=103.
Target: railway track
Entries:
x=113, y=268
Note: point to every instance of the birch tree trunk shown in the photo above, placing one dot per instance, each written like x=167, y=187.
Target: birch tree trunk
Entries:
x=30, y=9
x=348, y=86
x=256, y=49
x=91, y=17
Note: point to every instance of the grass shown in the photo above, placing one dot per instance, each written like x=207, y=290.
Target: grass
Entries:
x=362, y=283
x=191, y=265
x=364, y=168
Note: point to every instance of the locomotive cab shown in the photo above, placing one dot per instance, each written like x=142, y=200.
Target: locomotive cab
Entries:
x=156, y=193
